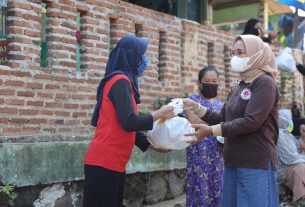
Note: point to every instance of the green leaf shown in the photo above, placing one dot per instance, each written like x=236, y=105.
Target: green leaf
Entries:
x=11, y=202
x=13, y=195
x=9, y=191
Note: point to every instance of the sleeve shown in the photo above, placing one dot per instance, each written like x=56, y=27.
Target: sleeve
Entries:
x=121, y=97
x=213, y=118
x=141, y=141
x=208, y=116
x=264, y=97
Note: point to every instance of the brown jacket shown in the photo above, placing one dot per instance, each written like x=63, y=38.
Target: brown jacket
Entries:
x=249, y=123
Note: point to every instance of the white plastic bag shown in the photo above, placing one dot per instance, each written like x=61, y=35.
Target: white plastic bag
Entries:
x=285, y=61
x=177, y=103
x=170, y=134
x=220, y=139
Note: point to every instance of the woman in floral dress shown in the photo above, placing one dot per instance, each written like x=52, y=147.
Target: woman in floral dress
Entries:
x=205, y=159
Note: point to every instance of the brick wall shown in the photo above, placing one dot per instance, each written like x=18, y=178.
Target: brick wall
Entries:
x=56, y=102
x=204, y=46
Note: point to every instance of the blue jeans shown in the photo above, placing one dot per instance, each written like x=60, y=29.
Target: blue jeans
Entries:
x=245, y=187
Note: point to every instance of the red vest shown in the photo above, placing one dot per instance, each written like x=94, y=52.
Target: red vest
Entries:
x=112, y=146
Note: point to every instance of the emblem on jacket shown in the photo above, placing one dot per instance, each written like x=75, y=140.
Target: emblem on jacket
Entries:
x=245, y=94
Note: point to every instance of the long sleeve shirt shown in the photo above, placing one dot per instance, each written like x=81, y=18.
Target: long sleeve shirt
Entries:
x=249, y=123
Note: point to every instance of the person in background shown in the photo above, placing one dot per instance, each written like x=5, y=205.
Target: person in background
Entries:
x=297, y=118
x=205, y=159
x=286, y=23
x=255, y=27
x=117, y=124
x=291, y=171
x=249, y=123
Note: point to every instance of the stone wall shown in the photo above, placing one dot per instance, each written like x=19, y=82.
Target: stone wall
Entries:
x=141, y=189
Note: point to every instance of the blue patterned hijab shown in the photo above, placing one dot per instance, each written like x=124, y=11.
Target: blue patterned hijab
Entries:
x=124, y=59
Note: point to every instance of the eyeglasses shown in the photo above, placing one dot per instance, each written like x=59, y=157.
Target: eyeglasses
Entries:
x=237, y=52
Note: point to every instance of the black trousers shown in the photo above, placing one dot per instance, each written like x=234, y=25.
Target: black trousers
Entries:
x=103, y=187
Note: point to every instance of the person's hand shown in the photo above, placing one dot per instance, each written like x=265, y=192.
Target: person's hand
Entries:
x=166, y=112
x=202, y=130
x=188, y=104
x=159, y=149
x=272, y=34
x=261, y=31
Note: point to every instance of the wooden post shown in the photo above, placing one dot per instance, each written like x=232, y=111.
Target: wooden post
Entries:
x=266, y=15
x=208, y=14
x=295, y=27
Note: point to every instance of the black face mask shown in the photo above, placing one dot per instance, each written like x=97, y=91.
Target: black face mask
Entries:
x=208, y=90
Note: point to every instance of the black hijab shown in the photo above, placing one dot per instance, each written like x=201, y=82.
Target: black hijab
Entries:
x=124, y=59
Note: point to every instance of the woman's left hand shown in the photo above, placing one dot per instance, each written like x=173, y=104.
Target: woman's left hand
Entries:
x=202, y=131
x=188, y=104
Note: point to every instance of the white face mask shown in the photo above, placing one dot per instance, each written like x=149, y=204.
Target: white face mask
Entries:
x=239, y=64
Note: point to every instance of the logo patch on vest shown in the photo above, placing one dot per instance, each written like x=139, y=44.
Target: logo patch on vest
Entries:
x=246, y=94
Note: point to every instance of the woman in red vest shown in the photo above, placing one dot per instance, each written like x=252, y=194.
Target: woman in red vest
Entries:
x=117, y=124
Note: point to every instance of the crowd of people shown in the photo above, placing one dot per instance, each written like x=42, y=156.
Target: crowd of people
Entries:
x=258, y=151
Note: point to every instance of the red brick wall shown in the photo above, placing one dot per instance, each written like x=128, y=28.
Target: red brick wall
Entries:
x=204, y=46
x=57, y=101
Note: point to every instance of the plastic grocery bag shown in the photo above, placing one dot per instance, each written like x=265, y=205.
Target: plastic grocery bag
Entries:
x=285, y=61
x=177, y=103
x=170, y=133
x=220, y=139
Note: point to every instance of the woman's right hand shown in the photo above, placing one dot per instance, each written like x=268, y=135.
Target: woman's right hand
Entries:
x=202, y=131
x=188, y=104
x=164, y=112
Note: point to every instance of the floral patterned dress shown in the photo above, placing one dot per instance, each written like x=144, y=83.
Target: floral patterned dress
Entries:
x=205, y=167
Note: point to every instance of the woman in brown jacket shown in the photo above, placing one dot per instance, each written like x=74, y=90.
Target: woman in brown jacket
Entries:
x=249, y=123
